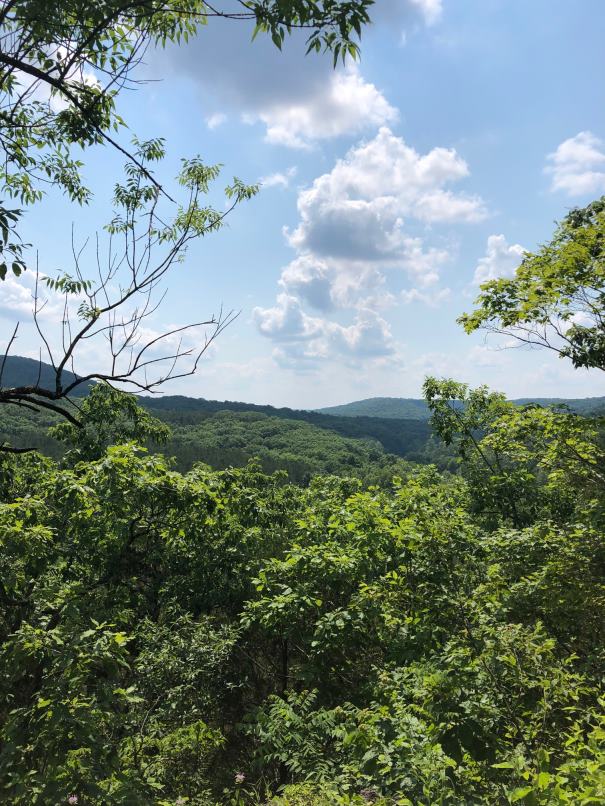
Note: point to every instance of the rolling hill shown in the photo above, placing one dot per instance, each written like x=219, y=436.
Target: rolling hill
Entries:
x=222, y=433
x=340, y=439
x=20, y=371
x=402, y=408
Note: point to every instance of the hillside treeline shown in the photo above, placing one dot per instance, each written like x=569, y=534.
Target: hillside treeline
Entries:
x=226, y=437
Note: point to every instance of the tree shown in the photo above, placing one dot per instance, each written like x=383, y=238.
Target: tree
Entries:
x=557, y=297
x=63, y=64
x=110, y=311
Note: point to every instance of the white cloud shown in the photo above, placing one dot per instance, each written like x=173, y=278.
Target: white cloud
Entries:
x=311, y=280
x=17, y=299
x=578, y=165
x=357, y=209
x=500, y=260
x=216, y=120
x=344, y=104
x=432, y=298
x=353, y=240
x=286, y=321
x=353, y=220
x=368, y=337
x=278, y=179
x=304, y=340
x=299, y=100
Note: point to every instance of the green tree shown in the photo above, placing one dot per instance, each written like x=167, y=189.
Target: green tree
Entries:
x=108, y=417
x=557, y=297
x=521, y=462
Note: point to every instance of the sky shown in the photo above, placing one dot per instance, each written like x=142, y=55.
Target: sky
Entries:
x=391, y=188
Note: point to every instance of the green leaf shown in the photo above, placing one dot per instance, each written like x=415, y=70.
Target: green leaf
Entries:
x=520, y=793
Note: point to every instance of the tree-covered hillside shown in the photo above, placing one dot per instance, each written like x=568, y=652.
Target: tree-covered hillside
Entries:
x=196, y=432
x=225, y=438
x=409, y=408
x=232, y=438
x=391, y=407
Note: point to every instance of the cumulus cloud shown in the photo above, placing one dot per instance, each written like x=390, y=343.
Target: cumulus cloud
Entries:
x=577, y=166
x=278, y=179
x=309, y=279
x=368, y=337
x=355, y=236
x=299, y=100
x=358, y=209
x=500, y=260
x=344, y=104
x=286, y=321
x=353, y=226
x=17, y=299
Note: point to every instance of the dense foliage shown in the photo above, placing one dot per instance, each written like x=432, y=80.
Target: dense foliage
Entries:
x=229, y=637
x=231, y=439
x=228, y=433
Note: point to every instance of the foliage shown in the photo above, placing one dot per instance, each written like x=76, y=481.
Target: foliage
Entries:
x=224, y=434
x=228, y=637
x=521, y=462
x=108, y=417
x=557, y=297
x=233, y=438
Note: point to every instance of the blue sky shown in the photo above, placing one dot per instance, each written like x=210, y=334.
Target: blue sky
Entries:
x=390, y=189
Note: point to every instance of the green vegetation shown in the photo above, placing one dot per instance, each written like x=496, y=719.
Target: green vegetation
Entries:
x=228, y=637
x=230, y=438
x=555, y=299
x=228, y=433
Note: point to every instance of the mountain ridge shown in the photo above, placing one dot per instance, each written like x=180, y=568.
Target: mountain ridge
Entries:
x=405, y=408
x=18, y=370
